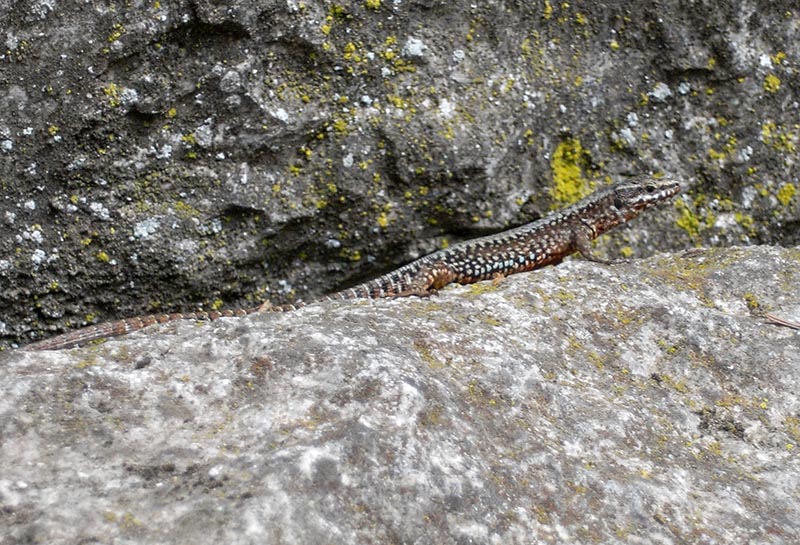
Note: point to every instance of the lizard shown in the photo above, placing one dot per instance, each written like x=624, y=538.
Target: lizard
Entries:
x=546, y=241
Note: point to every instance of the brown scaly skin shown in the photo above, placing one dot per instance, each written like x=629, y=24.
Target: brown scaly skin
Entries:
x=542, y=242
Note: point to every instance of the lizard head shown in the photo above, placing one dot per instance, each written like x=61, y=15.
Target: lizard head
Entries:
x=632, y=197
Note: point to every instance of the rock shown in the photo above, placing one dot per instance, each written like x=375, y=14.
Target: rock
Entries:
x=646, y=402
x=252, y=133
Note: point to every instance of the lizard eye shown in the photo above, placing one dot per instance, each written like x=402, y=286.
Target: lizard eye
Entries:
x=650, y=188
x=618, y=203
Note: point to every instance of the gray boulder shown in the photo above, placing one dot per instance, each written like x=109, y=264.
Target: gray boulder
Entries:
x=648, y=402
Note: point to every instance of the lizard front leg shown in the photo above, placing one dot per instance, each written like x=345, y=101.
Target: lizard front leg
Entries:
x=582, y=237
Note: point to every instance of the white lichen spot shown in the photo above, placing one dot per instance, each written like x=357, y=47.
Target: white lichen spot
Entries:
x=146, y=228
x=414, y=48
x=765, y=61
x=661, y=92
x=165, y=152
x=129, y=98
x=43, y=7
x=100, y=211
x=204, y=134
x=626, y=135
x=29, y=204
x=186, y=249
x=7, y=145
x=38, y=258
x=684, y=88
x=285, y=287
x=749, y=196
x=348, y=160
x=33, y=234
x=216, y=226
x=744, y=154
x=725, y=221
x=632, y=119
x=447, y=108
x=281, y=115
x=458, y=56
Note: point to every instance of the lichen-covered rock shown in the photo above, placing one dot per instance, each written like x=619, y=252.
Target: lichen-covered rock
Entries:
x=159, y=156
x=647, y=402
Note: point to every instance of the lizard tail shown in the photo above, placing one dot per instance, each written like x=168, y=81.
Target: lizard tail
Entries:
x=128, y=325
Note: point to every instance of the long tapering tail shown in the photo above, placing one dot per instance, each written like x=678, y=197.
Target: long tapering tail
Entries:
x=128, y=325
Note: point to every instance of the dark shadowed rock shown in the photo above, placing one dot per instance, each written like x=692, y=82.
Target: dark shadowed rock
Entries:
x=170, y=156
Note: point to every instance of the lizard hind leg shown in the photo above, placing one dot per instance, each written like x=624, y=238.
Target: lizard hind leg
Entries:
x=497, y=278
x=428, y=281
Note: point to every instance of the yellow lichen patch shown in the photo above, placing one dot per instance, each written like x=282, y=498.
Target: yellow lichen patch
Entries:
x=112, y=91
x=340, y=126
x=184, y=210
x=548, y=10
x=772, y=83
x=676, y=384
x=752, y=302
x=373, y=4
x=691, y=222
x=352, y=255
x=87, y=362
x=116, y=32
x=567, y=164
x=383, y=220
x=792, y=424
x=786, y=193
x=102, y=257
x=490, y=320
x=479, y=288
x=778, y=137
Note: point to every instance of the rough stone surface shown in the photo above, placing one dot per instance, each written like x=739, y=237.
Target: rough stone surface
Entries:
x=160, y=156
x=641, y=403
